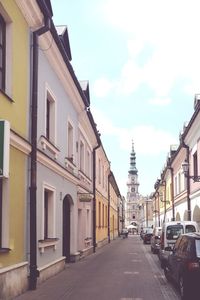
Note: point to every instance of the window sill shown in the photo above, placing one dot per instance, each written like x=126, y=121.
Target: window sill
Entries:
x=50, y=242
x=5, y=250
x=48, y=145
x=9, y=98
x=70, y=165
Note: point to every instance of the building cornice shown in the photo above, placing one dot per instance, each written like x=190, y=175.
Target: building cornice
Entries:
x=19, y=143
x=56, y=168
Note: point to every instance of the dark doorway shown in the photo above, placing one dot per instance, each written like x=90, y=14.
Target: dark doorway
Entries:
x=66, y=227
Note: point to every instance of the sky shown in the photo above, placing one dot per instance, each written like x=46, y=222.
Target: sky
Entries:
x=142, y=61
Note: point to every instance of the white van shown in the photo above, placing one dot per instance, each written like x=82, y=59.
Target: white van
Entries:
x=170, y=233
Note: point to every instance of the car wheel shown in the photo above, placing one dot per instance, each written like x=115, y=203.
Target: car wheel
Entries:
x=183, y=288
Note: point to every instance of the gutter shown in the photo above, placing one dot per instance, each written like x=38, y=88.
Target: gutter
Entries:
x=34, y=273
x=94, y=195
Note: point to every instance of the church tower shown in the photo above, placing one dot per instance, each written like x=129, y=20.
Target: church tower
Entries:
x=132, y=201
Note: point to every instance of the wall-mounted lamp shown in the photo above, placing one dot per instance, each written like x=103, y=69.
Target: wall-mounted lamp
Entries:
x=185, y=167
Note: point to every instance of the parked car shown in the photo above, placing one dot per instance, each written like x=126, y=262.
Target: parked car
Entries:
x=124, y=233
x=147, y=235
x=170, y=233
x=155, y=239
x=143, y=231
x=183, y=265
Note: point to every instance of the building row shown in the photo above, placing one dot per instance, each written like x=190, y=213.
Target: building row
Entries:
x=176, y=195
x=59, y=199
x=177, y=190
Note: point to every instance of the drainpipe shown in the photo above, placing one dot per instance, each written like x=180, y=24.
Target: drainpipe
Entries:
x=188, y=181
x=33, y=180
x=94, y=195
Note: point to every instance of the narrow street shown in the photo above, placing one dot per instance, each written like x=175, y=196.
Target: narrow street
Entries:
x=125, y=269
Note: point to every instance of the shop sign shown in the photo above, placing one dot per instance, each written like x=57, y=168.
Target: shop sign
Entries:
x=85, y=197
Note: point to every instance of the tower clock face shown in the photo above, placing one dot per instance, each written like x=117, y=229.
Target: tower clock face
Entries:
x=133, y=179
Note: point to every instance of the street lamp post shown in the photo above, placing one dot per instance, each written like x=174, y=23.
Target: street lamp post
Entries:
x=185, y=167
x=195, y=177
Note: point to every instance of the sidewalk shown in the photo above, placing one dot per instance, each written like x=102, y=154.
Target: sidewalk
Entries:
x=122, y=270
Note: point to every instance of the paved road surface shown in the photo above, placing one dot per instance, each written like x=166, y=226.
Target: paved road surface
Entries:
x=125, y=269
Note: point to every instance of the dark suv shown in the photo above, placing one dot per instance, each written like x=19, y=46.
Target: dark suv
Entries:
x=183, y=265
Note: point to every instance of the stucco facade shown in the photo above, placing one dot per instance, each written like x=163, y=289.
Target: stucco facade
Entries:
x=102, y=200
x=14, y=102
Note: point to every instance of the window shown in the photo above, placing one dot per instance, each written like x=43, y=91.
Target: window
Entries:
x=99, y=169
x=82, y=153
x=195, y=164
x=2, y=53
x=46, y=214
x=173, y=231
x=103, y=182
x=175, y=186
x=190, y=228
x=88, y=223
x=179, y=182
x=70, y=141
x=103, y=221
x=50, y=131
x=99, y=214
x=49, y=213
x=88, y=164
x=106, y=217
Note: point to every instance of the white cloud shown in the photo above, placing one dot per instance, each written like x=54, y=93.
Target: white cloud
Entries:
x=149, y=140
x=173, y=34
x=160, y=101
x=102, y=87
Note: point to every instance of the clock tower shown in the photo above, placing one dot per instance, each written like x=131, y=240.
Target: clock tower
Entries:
x=132, y=201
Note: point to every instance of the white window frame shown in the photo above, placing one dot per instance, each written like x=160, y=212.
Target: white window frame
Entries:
x=82, y=156
x=50, y=96
x=88, y=163
x=51, y=212
x=70, y=140
x=8, y=50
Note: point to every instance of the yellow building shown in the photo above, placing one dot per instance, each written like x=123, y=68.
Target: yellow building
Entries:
x=14, y=95
x=102, y=204
x=114, y=198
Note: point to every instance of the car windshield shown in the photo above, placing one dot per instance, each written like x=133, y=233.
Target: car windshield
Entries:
x=173, y=231
x=197, y=245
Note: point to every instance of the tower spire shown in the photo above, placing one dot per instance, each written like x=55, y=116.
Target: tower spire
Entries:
x=133, y=169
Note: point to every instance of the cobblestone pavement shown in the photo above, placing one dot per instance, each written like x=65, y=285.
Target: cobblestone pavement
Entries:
x=125, y=269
